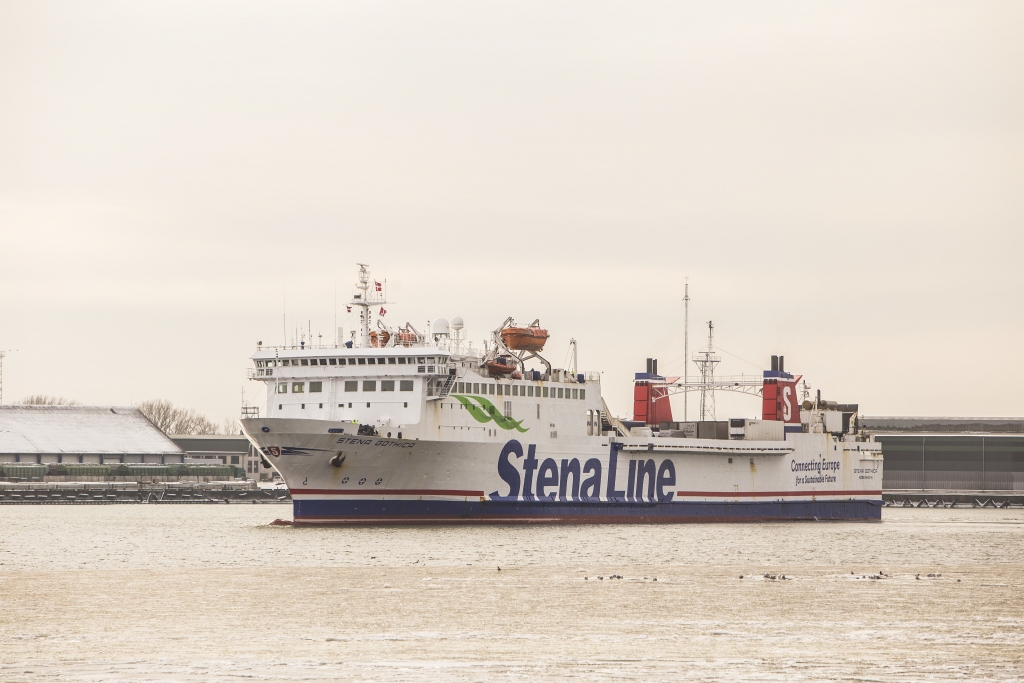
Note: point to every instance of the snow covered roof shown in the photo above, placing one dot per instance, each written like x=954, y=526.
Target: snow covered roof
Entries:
x=80, y=429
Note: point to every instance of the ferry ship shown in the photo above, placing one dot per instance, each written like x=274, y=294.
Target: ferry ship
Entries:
x=398, y=426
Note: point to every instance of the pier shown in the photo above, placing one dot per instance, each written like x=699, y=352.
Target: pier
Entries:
x=953, y=499
x=91, y=493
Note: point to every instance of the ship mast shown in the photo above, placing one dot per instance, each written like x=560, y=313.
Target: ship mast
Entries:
x=365, y=299
x=706, y=361
x=686, y=347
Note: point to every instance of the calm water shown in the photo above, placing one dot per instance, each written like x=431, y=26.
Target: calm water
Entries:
x=212, y=593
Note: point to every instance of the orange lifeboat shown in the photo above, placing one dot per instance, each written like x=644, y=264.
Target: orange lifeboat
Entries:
x=501, y=366
x=406, y=338
x=530, y=338
x=380, y=340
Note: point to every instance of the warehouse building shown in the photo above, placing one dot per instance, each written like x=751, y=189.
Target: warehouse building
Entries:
x=950, y=453
x=99, y=435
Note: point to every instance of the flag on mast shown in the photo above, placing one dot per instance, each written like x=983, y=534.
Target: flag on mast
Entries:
x=348, y=309
x=382, y=311
x=376, y=285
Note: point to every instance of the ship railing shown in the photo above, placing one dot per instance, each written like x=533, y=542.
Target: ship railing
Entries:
x=446, y=386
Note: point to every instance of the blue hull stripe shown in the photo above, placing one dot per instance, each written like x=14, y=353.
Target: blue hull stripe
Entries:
x=327, y=511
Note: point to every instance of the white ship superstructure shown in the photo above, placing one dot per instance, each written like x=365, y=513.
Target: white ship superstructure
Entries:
x=399, y=426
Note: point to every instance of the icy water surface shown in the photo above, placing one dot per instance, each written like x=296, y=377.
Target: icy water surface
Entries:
x=212, y=593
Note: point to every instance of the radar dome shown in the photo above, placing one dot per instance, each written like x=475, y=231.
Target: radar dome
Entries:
x=440, y=326
x=457, y=323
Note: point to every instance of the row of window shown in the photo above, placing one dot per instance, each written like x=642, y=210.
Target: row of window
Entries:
x=393, y=360
x=517, y=390
x=280, y=406
x=368, y=385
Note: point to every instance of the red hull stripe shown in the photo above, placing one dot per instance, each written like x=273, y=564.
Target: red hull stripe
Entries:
x=478, y=494
x=387, y=492
x=774, y=494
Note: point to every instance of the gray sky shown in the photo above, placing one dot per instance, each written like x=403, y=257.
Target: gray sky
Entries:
x=842, y=183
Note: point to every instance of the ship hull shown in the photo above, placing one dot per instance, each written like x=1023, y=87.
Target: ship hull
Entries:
x=410, y=512
x=337, y=476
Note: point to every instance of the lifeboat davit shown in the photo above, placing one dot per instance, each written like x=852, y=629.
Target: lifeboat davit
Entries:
x=501, y=366
x=530, y=338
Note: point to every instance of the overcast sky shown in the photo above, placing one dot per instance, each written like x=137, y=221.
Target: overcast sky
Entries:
x=842, y=183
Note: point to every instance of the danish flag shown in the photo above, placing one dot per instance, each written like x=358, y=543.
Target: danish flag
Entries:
x=376, y=285
x=348, y=309
x=382, y=311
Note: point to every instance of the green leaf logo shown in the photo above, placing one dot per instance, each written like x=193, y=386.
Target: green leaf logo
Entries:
x=487, y=412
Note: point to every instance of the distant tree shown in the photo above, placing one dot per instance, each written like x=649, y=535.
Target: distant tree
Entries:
x=171, y=419
x=230, y=426
x=44, y=400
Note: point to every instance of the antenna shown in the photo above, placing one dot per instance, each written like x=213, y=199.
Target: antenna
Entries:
x=2, y=354
x=706, y=361
x=572, y=345
x=686, y=346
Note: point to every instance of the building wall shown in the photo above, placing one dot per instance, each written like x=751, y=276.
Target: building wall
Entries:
x=975, y=462
x=92, y=458
x=228, y=450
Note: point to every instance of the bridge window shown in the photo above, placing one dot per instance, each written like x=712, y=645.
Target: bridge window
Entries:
x=352, y=385
x=392, y=360
x=323, y=361
x=371, y=361
x=575, y=393
x=382, y=361
x=405, y=385
x=298, y=387
x=285, y=362
x=461, y=387
x=476, y=388
x=387, y=385
x=316, y=387
x=333, y=361
x=559, y=392
x=583, y=394
x=370, y=384
x=282, y=388
x=401, y=360
x=362, y=361
x=305, y=361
